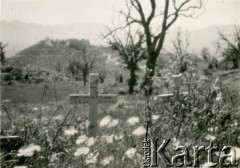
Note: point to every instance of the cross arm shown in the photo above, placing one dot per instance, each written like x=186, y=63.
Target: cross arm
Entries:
x=108, y=98
x=79, y=98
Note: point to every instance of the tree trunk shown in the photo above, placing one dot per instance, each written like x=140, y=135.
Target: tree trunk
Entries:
x=235, y=63
x=132, y=80
x=150, y=72
x=84, y=79
x=131, y=87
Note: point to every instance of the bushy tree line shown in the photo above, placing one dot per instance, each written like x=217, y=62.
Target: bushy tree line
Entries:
x=83, y=62
x=228, y=47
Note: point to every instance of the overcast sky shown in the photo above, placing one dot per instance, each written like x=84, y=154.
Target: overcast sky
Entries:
x=55, y=12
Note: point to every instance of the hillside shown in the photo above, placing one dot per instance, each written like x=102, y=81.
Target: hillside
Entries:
x=46, y=54
x=21, y=35
x=208, y=37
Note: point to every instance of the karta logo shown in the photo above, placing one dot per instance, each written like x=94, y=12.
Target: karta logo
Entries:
x=154, y=152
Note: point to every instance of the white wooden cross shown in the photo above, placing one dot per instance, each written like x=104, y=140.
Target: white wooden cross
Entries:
x=93, y=99
x=178, y=82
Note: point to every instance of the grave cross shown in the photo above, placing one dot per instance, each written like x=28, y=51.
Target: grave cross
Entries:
x=178, y=82
x=93, y=99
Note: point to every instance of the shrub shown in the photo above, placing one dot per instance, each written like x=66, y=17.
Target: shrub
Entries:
x=17, y=73
x=204, y=110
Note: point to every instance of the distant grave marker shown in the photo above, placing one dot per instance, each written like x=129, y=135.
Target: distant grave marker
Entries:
x=93, y=99
x=178, y=82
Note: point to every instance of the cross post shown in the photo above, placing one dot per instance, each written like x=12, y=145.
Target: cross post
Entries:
x=93, y=99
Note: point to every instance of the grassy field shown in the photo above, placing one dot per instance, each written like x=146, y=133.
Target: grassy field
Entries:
x=42, y=116
x=44, y=98
x=33, y=93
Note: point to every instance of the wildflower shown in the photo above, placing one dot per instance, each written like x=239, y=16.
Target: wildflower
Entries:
x=70, y=131
x=35, y=109
x=53, y=157
x=219, y=97
x=81, y=139
x=130, y=153
x=207, y=165
x=133, y=120
x=82, y=151
x=91, y=158
x=155, y=117
x=105, y=121
x=90, y=141
x=118, y=137
x=235, y=123
x=176, y=142
x=20, y=166
x=211, y=129
x=45, y=107
x=139, y=131
x=58, y=117
x=28, y=150
x=113, y=123
x=210, y=137
x=87, y=123
x=109, y=139
x=155, y=98
x=107, y=160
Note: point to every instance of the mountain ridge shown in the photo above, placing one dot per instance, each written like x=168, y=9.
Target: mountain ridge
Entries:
x=21, y=35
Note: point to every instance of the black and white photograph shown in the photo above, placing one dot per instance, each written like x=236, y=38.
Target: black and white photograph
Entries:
x=120, y=83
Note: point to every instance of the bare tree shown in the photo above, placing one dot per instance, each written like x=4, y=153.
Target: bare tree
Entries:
x=232, y=51
x=83, y=62
x=131, y=52
x=205, y=53
x=210, y=58
x=180, y=45
x=160, y=14
x=58, y=67
x=86, y=64
x=2, y=50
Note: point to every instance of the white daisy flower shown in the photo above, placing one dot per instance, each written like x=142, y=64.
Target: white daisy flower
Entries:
x=45, y=107
x=20, y=167
x=81, y=139
x=90, y=141
x=107, y=160
x=118, y=137
x=113, y=123
x=155, y=117
x=82, y=151
x=87, y=123
x=207, y=165
x=219, y=97
x=35, y=109
x=53, y=157
x=139, y=131
x=58, y=117
x=28, y=150
x=105, y=121
x=107, y=138
x=133, y=120
x=91, y=158
x=210, y=137
x=176, y=142
x=70, y=131
x=130, y=153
